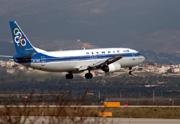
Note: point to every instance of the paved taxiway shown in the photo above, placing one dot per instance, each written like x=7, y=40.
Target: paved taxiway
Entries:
x=47, y=120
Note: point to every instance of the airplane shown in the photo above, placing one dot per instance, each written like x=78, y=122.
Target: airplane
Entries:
x=72, y=61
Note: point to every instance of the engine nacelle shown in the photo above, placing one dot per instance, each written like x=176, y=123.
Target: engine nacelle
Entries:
x=112, y=67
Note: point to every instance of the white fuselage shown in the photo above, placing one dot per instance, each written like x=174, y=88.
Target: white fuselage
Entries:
x=69, y=61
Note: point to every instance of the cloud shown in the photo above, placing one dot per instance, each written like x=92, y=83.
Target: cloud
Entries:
x=95, y=11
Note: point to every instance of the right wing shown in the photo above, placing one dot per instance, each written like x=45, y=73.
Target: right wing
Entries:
x=107, y=62
x=98, y=64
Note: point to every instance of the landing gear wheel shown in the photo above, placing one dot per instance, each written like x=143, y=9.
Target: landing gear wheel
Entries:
x=130, y=71
x=69, y=76
x=88, y=75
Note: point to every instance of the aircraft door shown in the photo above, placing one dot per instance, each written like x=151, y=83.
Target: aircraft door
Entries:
x=133, y=57
x=43, y=61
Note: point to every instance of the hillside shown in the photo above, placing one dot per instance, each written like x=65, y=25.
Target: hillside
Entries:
x=161, y=57
x=117, y=23
x=151, y=26
x=9, y=49
x=66, y=45
x=162, y=41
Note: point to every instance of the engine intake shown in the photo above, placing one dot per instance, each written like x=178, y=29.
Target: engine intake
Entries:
x=112, y=67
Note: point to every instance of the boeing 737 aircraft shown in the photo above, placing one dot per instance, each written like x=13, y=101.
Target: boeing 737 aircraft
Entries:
x=72, y=61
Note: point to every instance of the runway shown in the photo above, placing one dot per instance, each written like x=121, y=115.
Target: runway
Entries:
x=97, y=120
x=142, y=121
x=86, y=106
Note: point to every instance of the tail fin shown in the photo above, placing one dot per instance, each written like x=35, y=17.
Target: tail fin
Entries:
x=21, y=42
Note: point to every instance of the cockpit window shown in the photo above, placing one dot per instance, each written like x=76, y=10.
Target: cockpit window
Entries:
x=138, y=54
x=125, y=50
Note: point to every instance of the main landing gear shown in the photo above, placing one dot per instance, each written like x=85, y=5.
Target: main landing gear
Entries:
x=88, y=75
x=69, y=76
x=130, y=71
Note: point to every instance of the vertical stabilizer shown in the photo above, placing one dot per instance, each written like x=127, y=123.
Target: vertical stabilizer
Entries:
x=21, y=42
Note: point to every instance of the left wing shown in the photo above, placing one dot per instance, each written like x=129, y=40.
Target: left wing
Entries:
x=98, y=64
x=3, y=56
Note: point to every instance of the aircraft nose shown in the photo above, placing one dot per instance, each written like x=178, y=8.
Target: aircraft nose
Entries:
x=141, y=59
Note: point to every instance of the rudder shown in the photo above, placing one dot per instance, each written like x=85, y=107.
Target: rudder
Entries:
x=21, y=42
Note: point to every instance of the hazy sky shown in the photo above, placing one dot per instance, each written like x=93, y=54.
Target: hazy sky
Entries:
x=105, y=23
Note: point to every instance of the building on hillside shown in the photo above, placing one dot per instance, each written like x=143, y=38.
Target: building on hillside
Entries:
x=10, y=70
x=2, y=63
x=174, y=70
x=10, y=64
x=21, y=67
x=164, y=68
x=152, y=68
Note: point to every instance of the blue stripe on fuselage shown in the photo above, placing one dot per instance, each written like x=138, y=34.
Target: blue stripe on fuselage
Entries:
x=38, y=58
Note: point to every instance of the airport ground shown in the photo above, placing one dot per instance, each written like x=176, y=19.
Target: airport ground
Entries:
x=45, y=120
x=95, y=120
x=89, y=115
x=162, y=112
x=137, y=90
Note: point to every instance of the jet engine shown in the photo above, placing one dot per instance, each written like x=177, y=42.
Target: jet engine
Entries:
x=111, y=67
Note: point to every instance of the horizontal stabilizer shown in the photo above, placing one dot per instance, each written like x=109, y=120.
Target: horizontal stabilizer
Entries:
x=3, y=56
x=26, y=56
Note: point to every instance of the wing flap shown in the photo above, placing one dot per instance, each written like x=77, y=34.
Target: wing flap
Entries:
x=82, y=68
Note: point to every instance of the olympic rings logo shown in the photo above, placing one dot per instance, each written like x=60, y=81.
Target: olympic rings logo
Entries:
x=19, y=39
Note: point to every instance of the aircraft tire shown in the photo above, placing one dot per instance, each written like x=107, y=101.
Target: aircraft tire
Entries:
x=88, y=75
x=130, y=71
x=69, y=76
